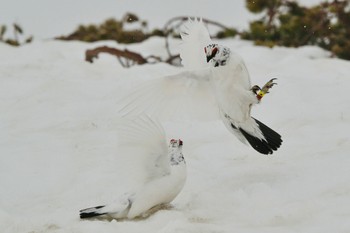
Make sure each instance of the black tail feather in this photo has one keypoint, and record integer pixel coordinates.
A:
(258, 144)
(90, 215)
(273, 139)
(91, 212)
(96, 207)
(272, 143)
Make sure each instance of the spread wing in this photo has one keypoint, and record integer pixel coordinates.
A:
(195, 37)
(143, 141)
(185, 95)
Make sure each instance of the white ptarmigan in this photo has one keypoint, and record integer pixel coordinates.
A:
(213, 74)
(165, 166)
(235, 97)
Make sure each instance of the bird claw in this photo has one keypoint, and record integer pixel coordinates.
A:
(255, 89)
(268, 85)
(265, 89)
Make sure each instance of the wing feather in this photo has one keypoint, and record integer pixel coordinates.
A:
(187, 94)
(182, 96)
(195, 37)
(143, 139)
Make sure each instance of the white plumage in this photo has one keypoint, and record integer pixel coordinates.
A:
(213, 76)
(195, 37)
(185, 94)
(164, 165)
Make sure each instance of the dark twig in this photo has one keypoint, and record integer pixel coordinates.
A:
(128, 58)
(91, 54)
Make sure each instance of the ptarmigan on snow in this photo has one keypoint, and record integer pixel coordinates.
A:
(235, 97)
(165, 166)
(213, 74)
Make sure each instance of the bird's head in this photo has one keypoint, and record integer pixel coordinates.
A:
(176, 143)
(216, 54)
(175, 150)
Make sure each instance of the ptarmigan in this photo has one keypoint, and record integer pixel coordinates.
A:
(235, 97)
(165, 166)
(214, 74)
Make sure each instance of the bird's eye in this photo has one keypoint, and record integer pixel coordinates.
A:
(180, 142)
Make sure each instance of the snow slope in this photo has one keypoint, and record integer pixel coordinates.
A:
(58, 150)
(48, 19)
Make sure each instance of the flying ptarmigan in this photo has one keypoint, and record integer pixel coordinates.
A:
(235, 97)
(165, 166)
(213, 74)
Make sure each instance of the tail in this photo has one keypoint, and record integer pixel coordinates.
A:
(272, 139)
(92, 212)
(117, 209)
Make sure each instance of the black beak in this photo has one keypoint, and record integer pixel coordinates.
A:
(209, 58)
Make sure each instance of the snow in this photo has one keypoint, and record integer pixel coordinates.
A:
(54, 18)
(59, 154)
(48, 19)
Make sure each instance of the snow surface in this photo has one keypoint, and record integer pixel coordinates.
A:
(59, 154)
(48, 19)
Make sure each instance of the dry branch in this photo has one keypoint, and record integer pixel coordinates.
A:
(91, 54)
(128, 58)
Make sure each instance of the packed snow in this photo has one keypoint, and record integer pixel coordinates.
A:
(48, 19)
(59, 150)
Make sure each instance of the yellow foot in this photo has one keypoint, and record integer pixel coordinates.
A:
(265, 89)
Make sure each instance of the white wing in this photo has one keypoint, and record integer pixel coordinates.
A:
(180, 96)
(143, 140)
(195, 37)
(183, 96)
